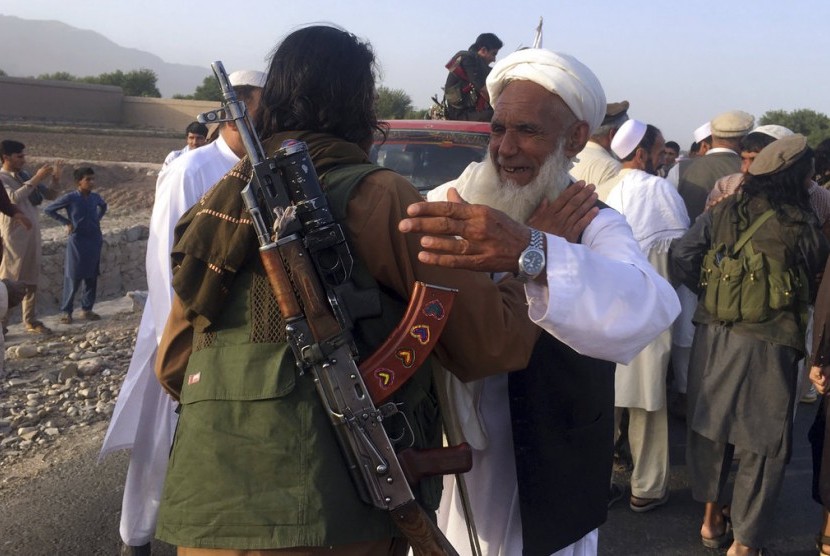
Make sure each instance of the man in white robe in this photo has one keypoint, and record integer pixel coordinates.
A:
(656, 213)
(144, 418)
(596, 292)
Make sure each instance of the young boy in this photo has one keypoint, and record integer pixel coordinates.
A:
(84, 210)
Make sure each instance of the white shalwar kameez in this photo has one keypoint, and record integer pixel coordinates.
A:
(144, 418)
(656, 213)
(603, 299)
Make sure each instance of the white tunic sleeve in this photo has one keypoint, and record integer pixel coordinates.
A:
(602, 297)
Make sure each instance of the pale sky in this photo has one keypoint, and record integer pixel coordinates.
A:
(678, 62)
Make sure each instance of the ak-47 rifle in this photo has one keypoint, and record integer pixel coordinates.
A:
(284, 196)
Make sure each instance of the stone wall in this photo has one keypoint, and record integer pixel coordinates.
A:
(63, 101)
(39, 100)
(122, 268)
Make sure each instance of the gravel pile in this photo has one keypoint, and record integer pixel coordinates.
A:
(58, 383)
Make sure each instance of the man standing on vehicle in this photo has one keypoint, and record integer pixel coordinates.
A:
(465, 91)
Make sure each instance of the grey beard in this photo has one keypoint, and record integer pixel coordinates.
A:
(518, 201)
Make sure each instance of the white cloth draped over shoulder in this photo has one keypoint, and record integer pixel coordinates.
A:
(144, 418)
(603, 299)
(656, 213)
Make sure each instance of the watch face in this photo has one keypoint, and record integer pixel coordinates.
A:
(532, 262)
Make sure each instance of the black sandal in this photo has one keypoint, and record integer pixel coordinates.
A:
(724, 539)
(822, 540)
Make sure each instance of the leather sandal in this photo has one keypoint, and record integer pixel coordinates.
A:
(822, 540)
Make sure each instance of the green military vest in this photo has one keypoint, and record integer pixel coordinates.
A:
(762, 289)
(255, 463)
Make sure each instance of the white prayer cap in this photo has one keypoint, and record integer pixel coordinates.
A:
(247, 77)
(703, 132)
(773, 130)
(628, 137)
(560, 74)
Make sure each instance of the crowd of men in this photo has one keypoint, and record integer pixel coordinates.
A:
(588, 257)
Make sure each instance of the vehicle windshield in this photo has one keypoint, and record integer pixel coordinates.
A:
(427, 157)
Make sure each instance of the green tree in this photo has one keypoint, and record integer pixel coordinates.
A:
(134, 83)
(393, 104)
(814, 125)
(208, 90)
(58, 76)
(3, 73)
(417, 114)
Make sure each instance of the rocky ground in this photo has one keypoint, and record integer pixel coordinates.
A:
(56, 386)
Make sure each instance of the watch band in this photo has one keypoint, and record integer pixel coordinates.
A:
(537, 239)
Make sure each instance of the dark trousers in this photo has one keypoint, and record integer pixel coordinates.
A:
(758, 482)
(70, 288)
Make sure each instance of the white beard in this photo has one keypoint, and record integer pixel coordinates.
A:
(519, 201)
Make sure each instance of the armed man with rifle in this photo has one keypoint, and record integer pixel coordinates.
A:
(272, 338)
(464, 91)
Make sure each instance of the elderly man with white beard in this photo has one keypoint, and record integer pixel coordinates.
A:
(543, 436)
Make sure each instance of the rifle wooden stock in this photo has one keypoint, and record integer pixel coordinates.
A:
(279, 281)
(423, 535)
(417, 464)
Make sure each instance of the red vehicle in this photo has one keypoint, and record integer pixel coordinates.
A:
(431, 152)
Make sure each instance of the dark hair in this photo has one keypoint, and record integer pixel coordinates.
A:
(488, 41)
(647, 142)
(9, 147)
(321, 79)
(755, 142)
(695, 147)
(822, 154)
(787, 187)
(197, 129)
(673, 145)
(81, 172)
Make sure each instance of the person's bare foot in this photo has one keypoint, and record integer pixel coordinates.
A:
(739, 549)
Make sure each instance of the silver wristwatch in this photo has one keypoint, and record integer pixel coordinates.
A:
(532, 259)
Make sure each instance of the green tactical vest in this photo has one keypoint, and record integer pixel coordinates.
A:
(752, 280)
(255, 463)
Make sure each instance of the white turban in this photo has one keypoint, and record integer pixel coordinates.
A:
(560, 74)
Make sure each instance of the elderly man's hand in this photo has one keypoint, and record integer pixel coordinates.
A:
(461, 235)
(569, 214)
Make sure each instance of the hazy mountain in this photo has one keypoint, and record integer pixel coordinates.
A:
(34, 47)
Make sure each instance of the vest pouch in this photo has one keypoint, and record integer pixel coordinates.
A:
(709, 278)
(782, 289)
(755, 289)
(729, 289)
(239, 373)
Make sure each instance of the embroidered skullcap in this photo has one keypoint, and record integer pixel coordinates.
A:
(252, 78)
(614, 111)
(732, 124)
(779, 155)
(773, 130)
(561, 74)
(628, 137)
(702, 132)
